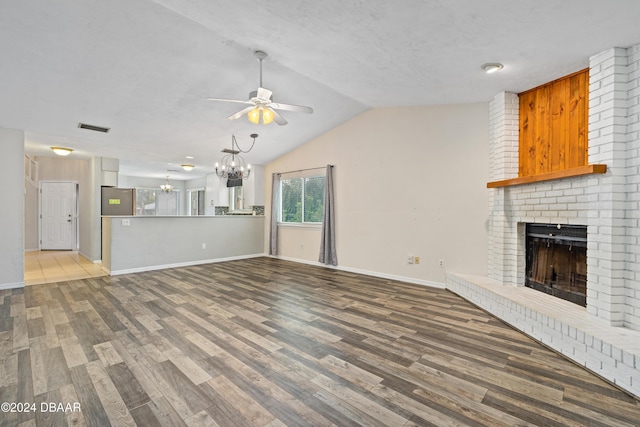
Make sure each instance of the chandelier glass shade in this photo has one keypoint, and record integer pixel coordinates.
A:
(232, 165)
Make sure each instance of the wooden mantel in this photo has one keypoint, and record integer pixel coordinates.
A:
(567, 173)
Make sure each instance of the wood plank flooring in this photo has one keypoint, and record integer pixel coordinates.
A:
(266, 342)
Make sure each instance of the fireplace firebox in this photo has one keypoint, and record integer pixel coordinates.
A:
(556, 261)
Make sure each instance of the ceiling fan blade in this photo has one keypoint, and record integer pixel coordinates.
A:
(241, 113)
(264, 94)
(278, 118)
(290, 107)
(230, 100)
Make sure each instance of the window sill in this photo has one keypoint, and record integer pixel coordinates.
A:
(568, 173)
(308, 225)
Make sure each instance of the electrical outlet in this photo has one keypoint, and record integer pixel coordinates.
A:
(410, 259)
(126, 222)
(416, 260)
(441, 263)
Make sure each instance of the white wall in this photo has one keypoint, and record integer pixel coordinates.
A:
(12, 209)
(89, 195)
(30, 217)
(409, 180)
(142, 243)
(60, 169)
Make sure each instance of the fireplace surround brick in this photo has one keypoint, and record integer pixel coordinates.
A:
(608, 204)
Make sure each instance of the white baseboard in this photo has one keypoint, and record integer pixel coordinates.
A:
(16, 285)
(412, 280)
(179, 264)
(95, 261)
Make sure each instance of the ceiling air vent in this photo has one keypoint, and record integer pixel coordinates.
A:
(94, 128)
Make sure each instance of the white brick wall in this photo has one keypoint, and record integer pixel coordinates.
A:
(605, 350)
(632, 188)
(608, 204)
(503, 164)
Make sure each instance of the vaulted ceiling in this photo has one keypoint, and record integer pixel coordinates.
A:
(144, 68)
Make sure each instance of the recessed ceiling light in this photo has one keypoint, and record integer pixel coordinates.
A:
(62, 151)
(189, 157)
(492, 67)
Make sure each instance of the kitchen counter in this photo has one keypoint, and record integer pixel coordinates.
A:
(142, 243)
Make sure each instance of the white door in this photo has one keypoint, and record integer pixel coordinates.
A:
(58, 215)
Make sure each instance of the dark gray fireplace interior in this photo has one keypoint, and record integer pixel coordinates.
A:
(556, 261)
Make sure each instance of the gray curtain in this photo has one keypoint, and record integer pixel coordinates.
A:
(275, 202)
(328, 241)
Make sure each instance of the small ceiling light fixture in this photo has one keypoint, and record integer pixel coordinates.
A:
(232, 165)
(166, 188)
(187, 167)
(62, 151)
(492, 67)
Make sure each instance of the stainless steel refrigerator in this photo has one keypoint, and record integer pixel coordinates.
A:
(118, 201)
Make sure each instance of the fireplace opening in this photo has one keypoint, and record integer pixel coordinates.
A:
(556, 261)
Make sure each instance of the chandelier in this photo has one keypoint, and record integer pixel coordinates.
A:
(166, 188)
(232, 165)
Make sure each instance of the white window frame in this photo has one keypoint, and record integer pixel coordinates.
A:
(156, 200)
(303, 223)
(190, 196)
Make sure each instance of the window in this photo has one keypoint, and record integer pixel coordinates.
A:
(302, 200)
(196, 201)
(236, 200)
(151, 201)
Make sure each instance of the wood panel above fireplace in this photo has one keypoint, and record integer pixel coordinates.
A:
(553, 131)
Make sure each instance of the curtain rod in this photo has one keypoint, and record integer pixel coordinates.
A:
(302, 170)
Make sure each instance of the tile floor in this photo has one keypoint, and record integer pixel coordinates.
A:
(58, 266)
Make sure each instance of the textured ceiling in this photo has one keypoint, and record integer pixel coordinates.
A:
(144, 68)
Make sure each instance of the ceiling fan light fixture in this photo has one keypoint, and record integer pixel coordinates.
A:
(261, 114)
(254, 116)
(62, 151)
(492, 67)
(268, 115)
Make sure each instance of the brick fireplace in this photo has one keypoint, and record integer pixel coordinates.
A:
(604, 336)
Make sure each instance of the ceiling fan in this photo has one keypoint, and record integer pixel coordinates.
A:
(261, 103)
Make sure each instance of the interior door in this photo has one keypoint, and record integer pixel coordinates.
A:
(58, 215)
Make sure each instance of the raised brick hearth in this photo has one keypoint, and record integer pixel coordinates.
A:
(604, 336)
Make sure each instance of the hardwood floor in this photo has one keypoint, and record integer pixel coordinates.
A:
(266, 342)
